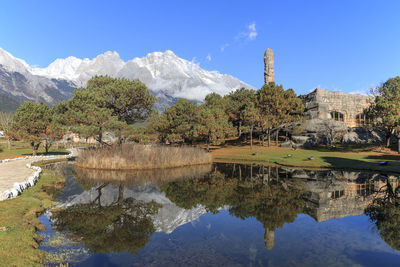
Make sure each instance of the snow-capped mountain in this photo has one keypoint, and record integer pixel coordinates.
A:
(167, 75)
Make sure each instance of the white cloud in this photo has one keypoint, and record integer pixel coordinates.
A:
(362, 92)
(208, 57)
(252, 33)
(224, 46)
(249, 35)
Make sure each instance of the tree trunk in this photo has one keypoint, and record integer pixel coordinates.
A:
(9, 144)
(46, 146)
(388, 135)
(100, 137)
(277, 137)
(240, 129)
(398, 144)
(35, 148)
(251, 137)
(269, 138)
(263, 139)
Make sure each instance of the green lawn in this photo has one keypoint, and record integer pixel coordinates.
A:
(21, 149)
(349, 157)
(19, 240)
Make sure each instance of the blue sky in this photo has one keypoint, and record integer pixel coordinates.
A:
(338, 45)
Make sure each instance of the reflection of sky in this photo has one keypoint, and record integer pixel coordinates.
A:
(223, 240)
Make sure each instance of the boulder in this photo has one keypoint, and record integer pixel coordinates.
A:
(360, 135)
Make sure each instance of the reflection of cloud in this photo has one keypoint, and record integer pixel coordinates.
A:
(249, 35)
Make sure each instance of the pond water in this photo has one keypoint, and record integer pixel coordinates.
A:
(224, 215)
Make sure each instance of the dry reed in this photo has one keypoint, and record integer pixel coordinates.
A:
(141, 157)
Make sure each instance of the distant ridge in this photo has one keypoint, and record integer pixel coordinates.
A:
(167, 75)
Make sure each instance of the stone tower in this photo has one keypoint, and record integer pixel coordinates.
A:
(269, 66)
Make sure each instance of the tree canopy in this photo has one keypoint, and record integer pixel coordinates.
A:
(36, 123)
(108, 104)
(384, 112)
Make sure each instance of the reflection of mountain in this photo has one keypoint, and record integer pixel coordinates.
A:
(168, 217)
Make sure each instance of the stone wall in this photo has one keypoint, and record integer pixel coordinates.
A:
(320, 103)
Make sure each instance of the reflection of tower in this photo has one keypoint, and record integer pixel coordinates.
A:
(269, 238)
(269, 66)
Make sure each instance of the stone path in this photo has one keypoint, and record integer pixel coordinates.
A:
(17, 175)
(14, 172)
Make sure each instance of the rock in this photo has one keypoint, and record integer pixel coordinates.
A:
(304, 141)
(287, 144)
(360, 135)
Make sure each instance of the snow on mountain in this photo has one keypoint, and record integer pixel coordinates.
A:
(18, 84)
(13, 64)
(167, 75)
(160, 71)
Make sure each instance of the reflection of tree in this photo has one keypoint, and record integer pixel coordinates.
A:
(384, 211)
(125, 225)
(210, 191)
(272, 203)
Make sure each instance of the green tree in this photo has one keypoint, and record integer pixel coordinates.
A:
(88, 117)
(109, 104)
(251, 117)
(212, 125)
(236, 106)
(215, 100)
(277, 108)
(177, 123)
(384, 112)
(32, 123)
(6, 120)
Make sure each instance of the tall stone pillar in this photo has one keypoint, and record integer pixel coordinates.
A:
(269, 66)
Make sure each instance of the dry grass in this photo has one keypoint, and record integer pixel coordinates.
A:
(141, 157)
(141, 177)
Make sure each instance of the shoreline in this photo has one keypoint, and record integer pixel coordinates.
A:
(19, 238)
(18, 187)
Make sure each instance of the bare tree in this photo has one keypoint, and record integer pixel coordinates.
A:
(6, 120)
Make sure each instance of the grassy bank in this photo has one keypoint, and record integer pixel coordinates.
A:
(346, 157)
(22, 149)
(19, 223)
(141, 157)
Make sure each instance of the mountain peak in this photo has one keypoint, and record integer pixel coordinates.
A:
(163, 72)
(12, 63)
